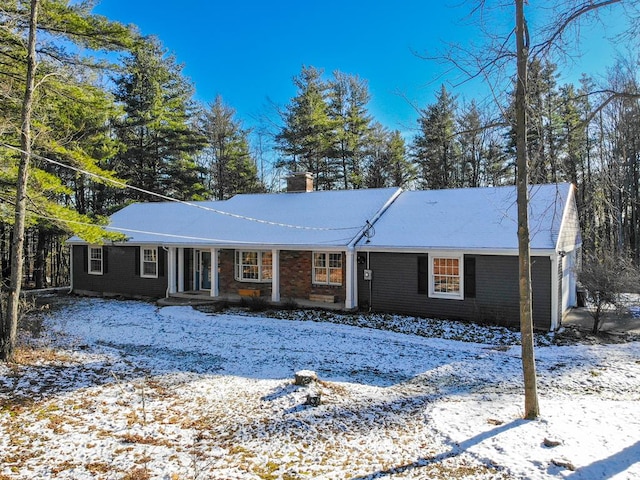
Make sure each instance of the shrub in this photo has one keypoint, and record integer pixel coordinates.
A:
(289, 304)
(605, 277)
(255, 304)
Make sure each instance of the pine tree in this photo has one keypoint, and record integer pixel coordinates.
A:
(226, 159)
(159, 139)
(387, 162)
(545, 124)
(306, 137)
(472, 147)
(348, 98)
(434, 148)
(24, 61)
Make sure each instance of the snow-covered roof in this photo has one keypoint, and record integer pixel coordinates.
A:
(454, 219)
(322, 218)
(469, 218)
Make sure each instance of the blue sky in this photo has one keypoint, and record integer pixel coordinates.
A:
(249, 51)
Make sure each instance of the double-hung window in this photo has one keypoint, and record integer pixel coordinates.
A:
(149, 262)
(446, 277)
(327, 268)
(254, 266)
(96, 264)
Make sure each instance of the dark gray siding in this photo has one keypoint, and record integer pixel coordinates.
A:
(395, 288)
(121, 274)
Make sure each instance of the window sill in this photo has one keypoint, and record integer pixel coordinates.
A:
(444, 296)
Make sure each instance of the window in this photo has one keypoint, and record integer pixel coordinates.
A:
(95, 261)
(254, 266)
(445, 279)
(327, 268)
(149, 266)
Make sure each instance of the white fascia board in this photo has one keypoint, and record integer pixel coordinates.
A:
(76, 242)
(470, 251)
(227, 246)
(258, 246)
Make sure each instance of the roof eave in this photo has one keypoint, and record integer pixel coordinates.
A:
(467, 250)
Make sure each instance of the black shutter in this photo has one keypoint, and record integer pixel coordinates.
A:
(85, 258)
(469, 277)
(136, 260)
(105, 258)
(423, 274)
(161, 261)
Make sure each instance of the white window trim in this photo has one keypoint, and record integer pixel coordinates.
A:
(238, 267)
(328, 268)
(142, 262)
(446, 295)
(90, 270)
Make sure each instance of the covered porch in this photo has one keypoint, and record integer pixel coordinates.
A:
(194, 277)
(203, 297)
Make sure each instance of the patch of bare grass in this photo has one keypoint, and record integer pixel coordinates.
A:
(145, 440)
(98, 467)
(29, 355)
(137, 474)
(63, 466)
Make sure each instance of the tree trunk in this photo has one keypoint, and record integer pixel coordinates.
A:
(40, 266)
(531, 409)
(10, 320)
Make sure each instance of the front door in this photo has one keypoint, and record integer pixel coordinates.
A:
(205, 270)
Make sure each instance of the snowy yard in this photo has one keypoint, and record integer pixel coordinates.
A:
(120, 389)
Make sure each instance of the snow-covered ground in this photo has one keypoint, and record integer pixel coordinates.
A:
(121, 389)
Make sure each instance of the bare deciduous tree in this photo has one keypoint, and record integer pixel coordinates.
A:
(606, 277)
(531, 407)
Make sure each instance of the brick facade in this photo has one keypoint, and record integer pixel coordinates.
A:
(295, 277)
(227, 282)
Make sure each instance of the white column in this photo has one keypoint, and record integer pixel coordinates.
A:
(180, 269)
(275, 275)
(215, 288)
(349, 301)
(171, 260)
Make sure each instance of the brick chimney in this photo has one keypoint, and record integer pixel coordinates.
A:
(298, 182)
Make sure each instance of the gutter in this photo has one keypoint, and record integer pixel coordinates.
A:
(539, 252)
